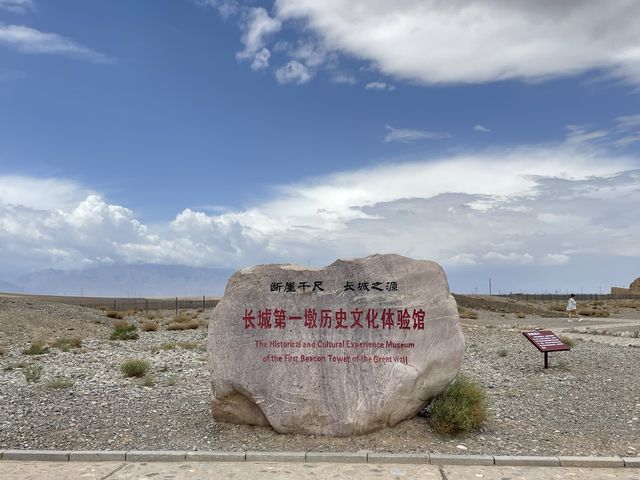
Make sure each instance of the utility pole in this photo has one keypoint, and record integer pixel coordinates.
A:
(489, 286)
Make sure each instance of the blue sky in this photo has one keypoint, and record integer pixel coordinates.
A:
(499, 139)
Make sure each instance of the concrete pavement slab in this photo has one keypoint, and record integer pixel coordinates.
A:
(11, 470)
(275, 471)
(455, 472)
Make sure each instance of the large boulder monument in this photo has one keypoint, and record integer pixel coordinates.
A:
(342, 350)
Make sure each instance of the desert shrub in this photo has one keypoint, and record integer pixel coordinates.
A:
(3, 351)
(60, 382)
(459, 409)
(503, 352)
(188, 325)
(168, 346)
(151, 316)
(150, 326)
(188, 345)
(148, 380)
(32, 372)
(124, 331)
(114, 314)
(568, 341)
(521, 315)
(134, 368)
(601, 313)
(36, 348)
(182, 317)
(469, 314)
(66, 344)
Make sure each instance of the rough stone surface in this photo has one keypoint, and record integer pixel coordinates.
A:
(377, 387)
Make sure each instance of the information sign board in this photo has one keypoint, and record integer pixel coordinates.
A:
(546, 341)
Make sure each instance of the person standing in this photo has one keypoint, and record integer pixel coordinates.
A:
(572, 308)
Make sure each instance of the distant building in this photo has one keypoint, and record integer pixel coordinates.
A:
(634, 289)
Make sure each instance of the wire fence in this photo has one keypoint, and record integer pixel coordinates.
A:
(551, 297)
(132, 304)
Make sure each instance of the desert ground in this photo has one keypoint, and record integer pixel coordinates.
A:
(76, 397)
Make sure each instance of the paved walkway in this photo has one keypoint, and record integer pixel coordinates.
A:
(12, 470)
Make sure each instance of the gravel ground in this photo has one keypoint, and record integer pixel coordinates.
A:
(586, 403)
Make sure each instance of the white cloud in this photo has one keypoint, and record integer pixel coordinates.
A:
(627, 140)
(293, 72)
(17, 6)
(463, 259)
(344, 78)
(226, 8)
(556, 259)
(480, 128)
(379, 86)
(512, 257)
(31, 41)
(310, 53)
(406, 135)
(474, 41)
(41, 193)
(628, 122)
(581, 134)
(536, 205)
(261, 59)
(257, 26)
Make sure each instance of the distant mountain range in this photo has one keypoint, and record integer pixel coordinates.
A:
(123, 281)
(8, 287)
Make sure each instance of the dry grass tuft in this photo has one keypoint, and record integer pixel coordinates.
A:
(148, 380)
(36, 348)
(114, 314)
(60, 382)
(182, 317)
(467, 313)
(67, 343)
(189, 325)
(150, 326)
(32, 373)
